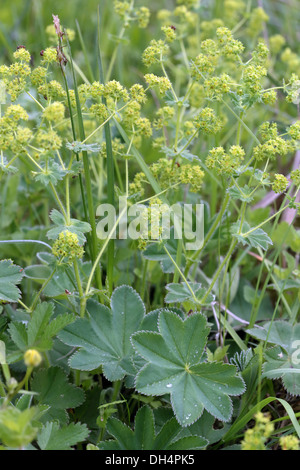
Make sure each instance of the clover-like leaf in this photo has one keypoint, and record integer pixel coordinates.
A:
(78, 147)
(282, 361)
(52, 174)
(180, 292)
(10, 276)
(104, 337)
(243, 194)
(258, 238)
(175, 365)
(75, 226)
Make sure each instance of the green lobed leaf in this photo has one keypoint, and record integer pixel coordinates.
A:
(53, 437)
(75, 226)
(174, 366)
(40, 329)
(179, 292)
(282, 361)
(257, 239)
(54, 389)
(10, 276)
(143, 437)
(104, 337)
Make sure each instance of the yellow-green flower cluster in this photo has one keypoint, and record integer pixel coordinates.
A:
(137, 185)
(268, 130)
(192, 175)
(269, 97)
(14, 77)
(252, 77)
(48, 140)
(52, 90)
(280, 183)
(185, 16)
(291, 59)
(216, 87)
(22, 55)
(231, 47)
(143, 17)
(96, 90)
(294, 130)
(289, 442)
(163, 117)
(67, 247)
(137, 93)
(115, 91)
(100, 111)
(133, 120)
(169, 33)
(203, 64)
(165, 172)
(121, 8)
(152, 214)
(271, 148)
(225, 163)
(49, 56)
(55, 112)
(276, 43)
(255, 438)
(260, 53)
(170, 174)
(295, 177)
(12, 135)
(154, 52)
(207, 121)
(258, 18)
(292, 88)
(16, 113)
(38, 76)
(162, 83)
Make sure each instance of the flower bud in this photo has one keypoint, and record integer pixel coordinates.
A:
(32, 358)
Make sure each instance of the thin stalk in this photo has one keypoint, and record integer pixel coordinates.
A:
(79, 285)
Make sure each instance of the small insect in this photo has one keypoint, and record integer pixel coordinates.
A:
(21, 47)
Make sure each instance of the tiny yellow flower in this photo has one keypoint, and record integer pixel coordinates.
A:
(32, 358)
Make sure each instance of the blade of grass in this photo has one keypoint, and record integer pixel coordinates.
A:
(110, 168)
(241, 423)
(87, 176)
